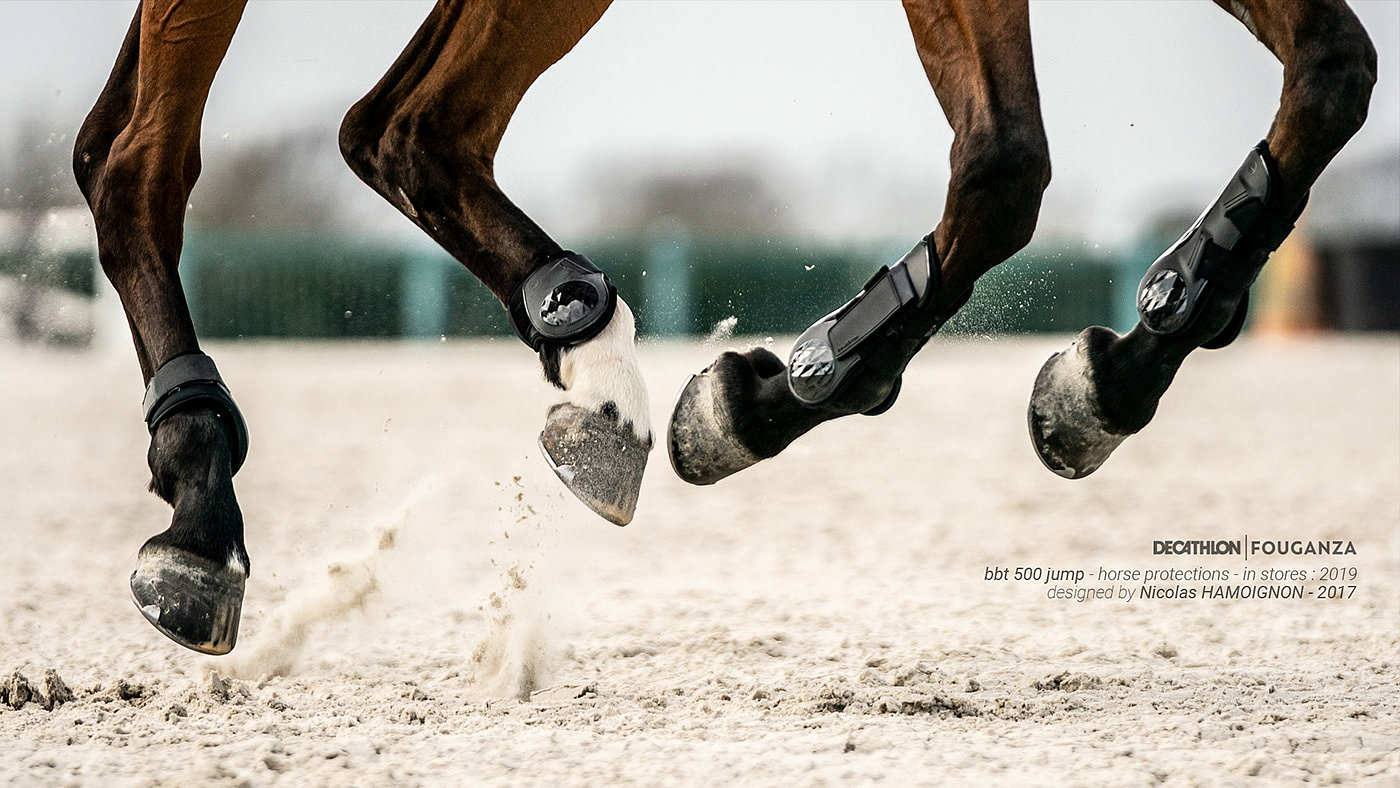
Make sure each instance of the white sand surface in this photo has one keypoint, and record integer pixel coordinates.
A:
(820, 619)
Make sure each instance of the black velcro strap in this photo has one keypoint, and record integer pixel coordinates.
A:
(1269, 230)
(1273, 224)
(191, 378)
(1230, 272)
(882, 297)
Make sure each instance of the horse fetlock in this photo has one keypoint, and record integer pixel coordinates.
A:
(747, 407)
(603, 375)
(597, 440)
(186, 382)
(1221, 320)
(191, 463)
(854, 357)
(189, 450)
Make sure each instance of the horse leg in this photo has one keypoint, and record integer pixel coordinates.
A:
(1105, 387)
(136, 159)
(746, 407)
(425, 138)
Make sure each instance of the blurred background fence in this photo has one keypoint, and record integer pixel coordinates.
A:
(304, 284)
(288, 283)
(272, 250)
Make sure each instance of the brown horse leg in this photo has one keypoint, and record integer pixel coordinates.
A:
(425, 138)
(977, 54)
(1088, 399)
(136, 159)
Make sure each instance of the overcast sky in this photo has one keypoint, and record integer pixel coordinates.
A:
(1145, 102)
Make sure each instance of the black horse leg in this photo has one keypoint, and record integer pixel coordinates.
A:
(136, 159)
(1091, 397)
(746, 407)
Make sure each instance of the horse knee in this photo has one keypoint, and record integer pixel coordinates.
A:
(379, 143)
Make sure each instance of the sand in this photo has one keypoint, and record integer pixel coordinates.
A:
(428, 605)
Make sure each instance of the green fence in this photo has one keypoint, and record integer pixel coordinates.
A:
(318, 285)
(73, 270)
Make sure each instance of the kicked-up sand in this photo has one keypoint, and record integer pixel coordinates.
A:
(428, 605)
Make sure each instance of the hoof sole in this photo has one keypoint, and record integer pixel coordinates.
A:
(1066, 429)
(699, 439)
(599, 460)
(191, 600)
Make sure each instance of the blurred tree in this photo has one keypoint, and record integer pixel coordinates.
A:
(36, 173)
(36, 265)
(731, 197)
(281, 182)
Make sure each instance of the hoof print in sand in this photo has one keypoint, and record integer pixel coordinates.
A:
(1069, 682)
(562, 694)
(848, 700)
(217, 689)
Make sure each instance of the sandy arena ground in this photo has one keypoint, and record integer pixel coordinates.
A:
(821, 619)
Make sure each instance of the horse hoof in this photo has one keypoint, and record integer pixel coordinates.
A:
(1066, 429)
(598, 459)
(701, 439)
(191, 600)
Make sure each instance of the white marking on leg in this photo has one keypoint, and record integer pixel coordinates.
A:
(408, 205)
(605, 369)
(237, 563)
